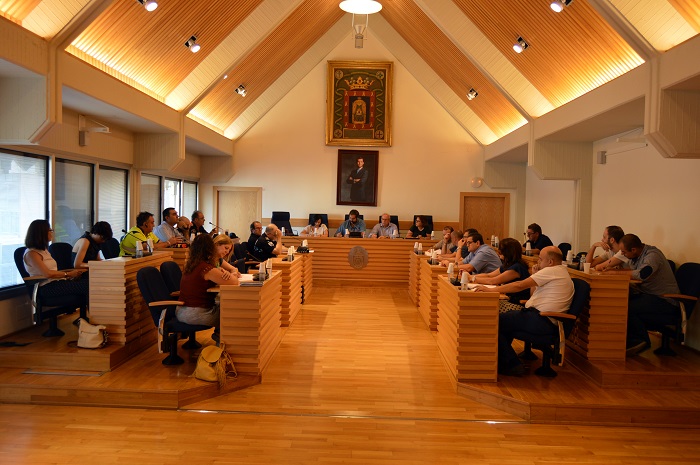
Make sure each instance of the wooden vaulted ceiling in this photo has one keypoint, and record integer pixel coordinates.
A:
(465, 43)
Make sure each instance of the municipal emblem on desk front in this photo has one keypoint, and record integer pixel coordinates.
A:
(358, 257)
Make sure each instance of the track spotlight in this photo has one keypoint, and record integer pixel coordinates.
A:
(520, 45)
(149, 5)
(192, 44)
(472, 94)
(240, 90)
(558, 5)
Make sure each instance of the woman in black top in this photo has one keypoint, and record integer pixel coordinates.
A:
(420, 229)
(513, 269)
(87, 248)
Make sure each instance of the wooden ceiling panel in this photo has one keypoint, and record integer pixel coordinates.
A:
(690, 10)
(570, 53)
(17, 10)
(150, 47)
(453, 67)
(264, 64)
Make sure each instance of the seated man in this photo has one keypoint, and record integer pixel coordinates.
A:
(611, 257)
(553, 293)
(445, 244)
(198, 224)
(256, 230)
(537, 240)
(384, 229)
(142, 232)
(269, 244)
(646, 307)
(167, 229)
(482, 258)
(459, 250)
(352, 224)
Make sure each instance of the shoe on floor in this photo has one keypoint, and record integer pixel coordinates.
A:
(636, 349)
(515, 370)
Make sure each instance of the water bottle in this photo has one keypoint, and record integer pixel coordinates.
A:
(528, 249)
(261, 272)
(451, 271)
(464, 280)
(150, 245)
(139, 249)
(582, 261)
(192, 236)
(495, 242)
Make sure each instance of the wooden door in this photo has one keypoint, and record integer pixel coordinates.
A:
(488, 213)
(237, 207)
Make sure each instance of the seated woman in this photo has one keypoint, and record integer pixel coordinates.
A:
(224, 252)
(201, 273)
(87, 248)
(420, 229)
(315, 229)
(39, 262)
(513, 269)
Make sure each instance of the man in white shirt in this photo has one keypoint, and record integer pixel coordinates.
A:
(553, 293)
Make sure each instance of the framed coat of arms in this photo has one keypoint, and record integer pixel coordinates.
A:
(359, 103)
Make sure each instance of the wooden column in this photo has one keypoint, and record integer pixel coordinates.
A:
(601, 332)
(307, 273)
(428, 296)
(468, 332)
(250, 323)
(180, 256)
(414, 277)
(291, 288)
(116, 301)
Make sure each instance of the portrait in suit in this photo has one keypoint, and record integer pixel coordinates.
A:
(357, 177)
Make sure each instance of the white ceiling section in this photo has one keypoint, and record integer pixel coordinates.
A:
(447, 45)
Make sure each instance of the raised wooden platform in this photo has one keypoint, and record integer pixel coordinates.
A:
(37, 374)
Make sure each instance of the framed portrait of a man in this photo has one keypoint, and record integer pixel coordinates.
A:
(359, 103)
(357, 177)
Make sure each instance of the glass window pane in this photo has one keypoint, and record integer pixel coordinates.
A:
(171, 194)
(189, 198)
(150, 197)
(24, 199)
(73, 207)
(112, 198)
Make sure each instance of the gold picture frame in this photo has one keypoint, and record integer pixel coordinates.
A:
(359, 103)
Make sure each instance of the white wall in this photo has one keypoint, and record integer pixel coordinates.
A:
(432, 158)
(653, 197)
(551, 204)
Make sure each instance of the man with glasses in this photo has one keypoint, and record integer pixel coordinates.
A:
(481, 258)
(198, 223)
(384, 229)
(353, 224)
(646, 307)
(537, 240)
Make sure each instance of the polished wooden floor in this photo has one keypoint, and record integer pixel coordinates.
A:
(357, 379)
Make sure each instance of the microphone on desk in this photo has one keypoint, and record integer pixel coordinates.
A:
(221, 229)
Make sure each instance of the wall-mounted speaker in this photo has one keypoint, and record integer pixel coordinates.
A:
(602, 157)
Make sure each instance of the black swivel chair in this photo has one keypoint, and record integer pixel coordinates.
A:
(564, 247)
(688, 279)
(172, 275)
(62, 252)
(156, 294)
(281, 220)
(110, 248)
(47, 307)
(552, 345)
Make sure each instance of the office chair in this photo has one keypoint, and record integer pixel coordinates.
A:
(242, 259)
(564, 247)
(688, 279)
(110, 248)
(172, 275)
(156, 294)
(47, 307)
(281, 220)
(62, 252)
(552, 345)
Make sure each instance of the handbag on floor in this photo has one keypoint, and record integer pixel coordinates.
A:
(214, 365)
(91, 336)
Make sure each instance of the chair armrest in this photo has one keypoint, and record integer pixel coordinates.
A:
(679, 296)
(175, 294)
(160, 303)
(559, 316)
(35, 278)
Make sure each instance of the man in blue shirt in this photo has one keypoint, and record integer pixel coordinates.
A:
(481, 258)
(352, 224)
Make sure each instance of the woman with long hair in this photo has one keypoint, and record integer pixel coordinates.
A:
(200, 274)
(513, 269)
(420, 229)
(317, 228)
(87, 248)
(224, 252)
(39, 262)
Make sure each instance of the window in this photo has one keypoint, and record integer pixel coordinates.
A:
(73, 200)
(171, 194)
(24, 199)
(150, 196)
(112, 198)
(189, 198)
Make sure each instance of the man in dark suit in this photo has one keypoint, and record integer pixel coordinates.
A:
(358, 178)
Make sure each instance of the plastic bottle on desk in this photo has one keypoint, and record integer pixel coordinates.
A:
(150, 245)
(139, 249)
(528, 249)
